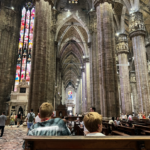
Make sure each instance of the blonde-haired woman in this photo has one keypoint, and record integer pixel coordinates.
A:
(12, 119)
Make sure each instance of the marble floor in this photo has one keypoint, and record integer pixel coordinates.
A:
(13, 138)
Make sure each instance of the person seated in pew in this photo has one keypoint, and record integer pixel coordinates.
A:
(126, 116)
(123, 117)
(85, 129)
(140, 115)
(148, 116)
(70, 126)
(144, 117)
(78, 120)
(130, 118)
(117, 122)
(92, 109)
(48, 126)
(93, 122)
(76, 115)
(112, 120)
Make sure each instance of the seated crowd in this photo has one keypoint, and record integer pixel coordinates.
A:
(44, 124)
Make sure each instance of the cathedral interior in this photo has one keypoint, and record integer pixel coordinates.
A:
(77, 53)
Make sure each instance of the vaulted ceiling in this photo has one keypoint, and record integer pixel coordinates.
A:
(72, 40)
(73, 34)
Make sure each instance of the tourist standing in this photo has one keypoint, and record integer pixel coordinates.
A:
(12, 119)
(30, 119)
(3, 119)
(37, 118)
(19, 117)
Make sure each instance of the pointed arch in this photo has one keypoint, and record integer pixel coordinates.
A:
(78, 20)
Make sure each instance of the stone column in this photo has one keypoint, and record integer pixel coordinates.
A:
(58, 81)
(83, 91)
(52, 58)
(91, 74)
(122, 51)
(80, 97)
(42, 69)
(93, 61)
(63, 94)
(87, 81)
(107, 62)
(134, 92)
(137, 34)
(9, 36)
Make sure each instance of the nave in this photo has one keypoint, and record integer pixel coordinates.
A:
(76, 55)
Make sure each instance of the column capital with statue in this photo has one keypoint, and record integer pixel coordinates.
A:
(122, 46)
(51, 2)
(136, 24)
(97, 2)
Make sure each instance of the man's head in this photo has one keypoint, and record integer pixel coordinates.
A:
(93, 122)
(117, 118)
(92, 109)
(46, 110)
(31, 110)
(3, 113)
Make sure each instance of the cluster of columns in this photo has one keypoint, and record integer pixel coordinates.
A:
(59, 78)
(108, 87)
(94, 62)
(42, 83)
(137, 33)
(122, 51)
(9, 35)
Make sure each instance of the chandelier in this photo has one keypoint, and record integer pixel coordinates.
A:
(73, 1)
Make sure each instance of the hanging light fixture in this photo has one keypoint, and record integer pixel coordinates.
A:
(73, 1)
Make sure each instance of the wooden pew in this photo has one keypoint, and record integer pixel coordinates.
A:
(80, 130)
(128, 130)
(74, 118)
(146, 132)
(140, 129)
(105, 131)
(108, 127)
(87, 143)
(118, 133)
(76, 127)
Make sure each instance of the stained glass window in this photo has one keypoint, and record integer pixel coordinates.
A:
(70, 95)
(73, 1)
(23, 68)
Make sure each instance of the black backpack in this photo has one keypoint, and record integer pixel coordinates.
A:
(31, 118)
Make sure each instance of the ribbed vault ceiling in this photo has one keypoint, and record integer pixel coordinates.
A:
(72, 38)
